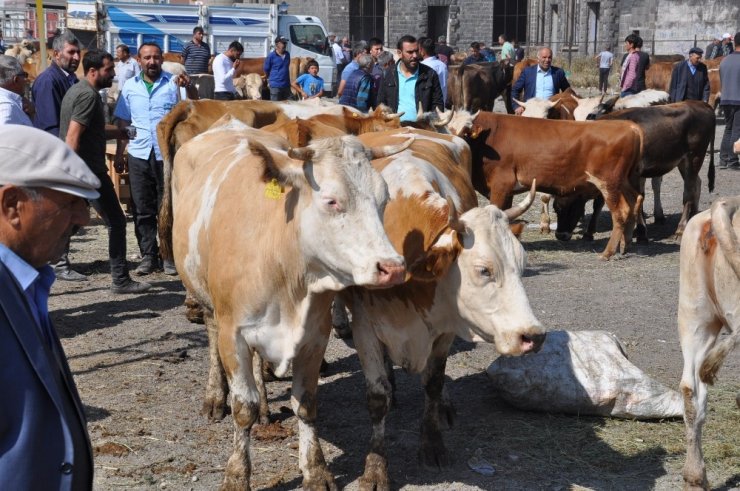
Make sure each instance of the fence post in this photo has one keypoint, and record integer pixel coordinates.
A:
(652, 49)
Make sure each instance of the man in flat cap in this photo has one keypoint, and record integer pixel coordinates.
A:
(690, 79)
(44, 188)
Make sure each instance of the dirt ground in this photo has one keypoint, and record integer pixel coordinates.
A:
(141, 368)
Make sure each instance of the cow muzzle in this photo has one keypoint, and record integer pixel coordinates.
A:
(390, 273)
(532, 343)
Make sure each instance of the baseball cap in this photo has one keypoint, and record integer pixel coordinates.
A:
(34, 158)
(726, 35)
(442, 39)
(281, 39)
(697, 51)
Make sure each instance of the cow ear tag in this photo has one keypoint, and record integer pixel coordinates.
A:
(273, 190)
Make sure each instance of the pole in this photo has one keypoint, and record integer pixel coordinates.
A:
(41, 28)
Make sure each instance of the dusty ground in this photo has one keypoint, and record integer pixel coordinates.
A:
(140, 368)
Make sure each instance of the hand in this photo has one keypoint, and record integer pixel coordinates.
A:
(120, 164)
(519, 110)
(237, 62)
(182, 80)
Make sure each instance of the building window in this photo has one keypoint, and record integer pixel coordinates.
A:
(366, 19)
(510, 18)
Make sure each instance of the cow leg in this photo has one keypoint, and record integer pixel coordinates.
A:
(245, 400)
(306, 365)
(259, 380)
(697, 336)
(641, 229)
(658, 214)
(691, 193)
(433, 453)
(545, 214)
(214, 403)
(598, 205)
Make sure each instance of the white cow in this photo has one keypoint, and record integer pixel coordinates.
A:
(708, 301)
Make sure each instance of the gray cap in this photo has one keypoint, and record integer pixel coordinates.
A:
(34, 158)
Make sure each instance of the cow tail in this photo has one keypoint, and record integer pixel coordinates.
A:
(710, 171)
(460, 85)
(165, 135)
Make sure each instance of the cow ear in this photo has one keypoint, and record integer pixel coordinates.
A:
(286, 171)
(437, 261)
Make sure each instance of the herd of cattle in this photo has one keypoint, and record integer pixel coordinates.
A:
(273, 211)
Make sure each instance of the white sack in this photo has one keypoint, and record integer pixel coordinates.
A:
(584, 372)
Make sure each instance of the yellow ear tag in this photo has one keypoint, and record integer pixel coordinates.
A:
(273, 190)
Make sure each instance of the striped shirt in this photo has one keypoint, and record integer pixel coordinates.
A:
(196, 57)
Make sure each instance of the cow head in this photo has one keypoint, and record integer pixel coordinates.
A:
(593, 108)
(341, 229)
(485, 282)
(570, 210)
(538, 108)
(249, 86)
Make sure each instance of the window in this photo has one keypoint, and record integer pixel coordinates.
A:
(366, 19)
(310, 37)
(510, 18)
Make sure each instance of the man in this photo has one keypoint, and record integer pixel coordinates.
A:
(690, 80)
(427, 51)
(729, 74)
(410, 83)
(43, 191)
(541, 80)
(359, 91)
(444, 52)
(726, 48)
(276, 68)
(713, 49)
(337, 54)
(143, 102)
(605, 59)
(507, 50)
(196, 54)
(360, 48)
(50, 86)
(2, 44)
(518, 50)
(126, 67)
(475, 54)
(82, 126)
(634, 64)
(12, 87)
(376, 49)
(223, 72)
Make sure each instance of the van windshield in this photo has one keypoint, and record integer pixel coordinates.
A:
(310, 37)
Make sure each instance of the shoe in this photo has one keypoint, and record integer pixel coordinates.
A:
(146, 266)
(733, 167)
(168, 267)
(69, 275)
(130, 286)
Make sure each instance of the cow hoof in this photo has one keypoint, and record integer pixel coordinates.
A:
(588, 237)
(213, 409)
(236, 476)
(320, 479)
(194, 315)
(375, 477)
(343, 331)
(433, 454)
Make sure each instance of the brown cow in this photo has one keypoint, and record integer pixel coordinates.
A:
(475, 87)
(567, 158)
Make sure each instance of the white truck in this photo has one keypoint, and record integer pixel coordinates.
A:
(171, 26)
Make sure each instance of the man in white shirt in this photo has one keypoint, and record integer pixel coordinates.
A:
(126, 67)
(427, 49)
(12, 85)
(338, 54)
(223, 72)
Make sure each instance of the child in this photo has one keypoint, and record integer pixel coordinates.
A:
(310, 85)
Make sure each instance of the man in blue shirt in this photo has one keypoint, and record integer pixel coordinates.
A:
(44, 188)
(276, 68)
(143, 102)
(541, 80)
(50, 86)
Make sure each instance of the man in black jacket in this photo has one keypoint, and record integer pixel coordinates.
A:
(410, 83)
(690, 80)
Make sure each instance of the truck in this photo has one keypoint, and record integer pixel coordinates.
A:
(255, 26)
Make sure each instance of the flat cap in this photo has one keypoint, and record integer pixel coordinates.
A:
(697, 51)
(34, 158)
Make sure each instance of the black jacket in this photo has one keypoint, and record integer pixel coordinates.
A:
(428, 90)
(680, 78)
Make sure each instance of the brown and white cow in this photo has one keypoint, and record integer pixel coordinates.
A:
(708, 301)
(465, 269)
(570, 158)
(262, 239)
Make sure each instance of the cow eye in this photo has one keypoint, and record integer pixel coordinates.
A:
(332, 204)
(484, 272)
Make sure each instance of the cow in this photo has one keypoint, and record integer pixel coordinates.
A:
(658, 75)
(22, 51)
(262, 238)
(475, 87)
(675, 135)
(173, 57)
(465, 270)
(665, 59)
(567, 158)
(256, 65)
(559, 106)
(708, 301)
(249, 86)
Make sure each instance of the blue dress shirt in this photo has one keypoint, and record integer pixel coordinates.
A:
(545, 88)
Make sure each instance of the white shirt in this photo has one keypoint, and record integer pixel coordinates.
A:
(438, 66)
(338, 53)
(11, 109)
(223, 71)
(126, 70)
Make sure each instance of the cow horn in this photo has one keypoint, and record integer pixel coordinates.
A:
(387, 150)
(444, 118)
(523, 104)
(518, 210)
(301, 153)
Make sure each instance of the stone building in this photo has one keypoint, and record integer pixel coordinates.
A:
(581, 27)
